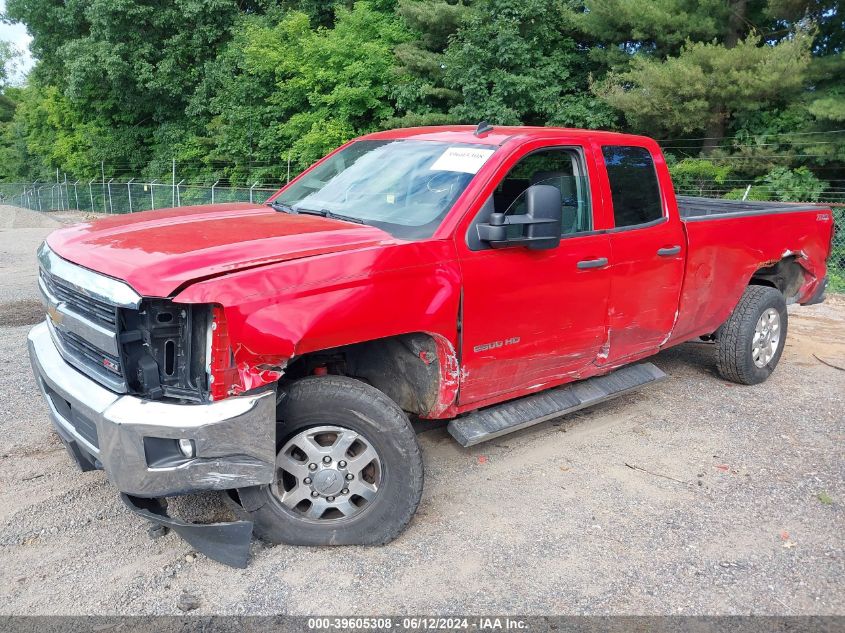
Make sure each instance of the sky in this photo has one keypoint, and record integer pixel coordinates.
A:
(17, 35)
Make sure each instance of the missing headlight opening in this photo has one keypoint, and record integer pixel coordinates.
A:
(164, 348)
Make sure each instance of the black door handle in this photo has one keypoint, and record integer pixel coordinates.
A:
(669, 251)
(592, 263)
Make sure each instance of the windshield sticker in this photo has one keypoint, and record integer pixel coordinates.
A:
(467, 160)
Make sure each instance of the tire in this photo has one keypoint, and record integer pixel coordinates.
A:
(737, 359)
(358, 410)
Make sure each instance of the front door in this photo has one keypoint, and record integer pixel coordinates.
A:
(533, 317)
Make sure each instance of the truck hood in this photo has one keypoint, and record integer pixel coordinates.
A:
(157, 252)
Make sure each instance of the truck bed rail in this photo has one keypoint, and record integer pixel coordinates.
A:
(693, 208)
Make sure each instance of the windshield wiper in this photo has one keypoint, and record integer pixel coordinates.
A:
(330, 214)
(284, 208)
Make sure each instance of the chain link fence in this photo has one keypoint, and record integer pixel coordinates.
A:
(836, 262)
(131, 196)
(125, 197)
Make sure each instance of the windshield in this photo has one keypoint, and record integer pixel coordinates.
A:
(403, 187)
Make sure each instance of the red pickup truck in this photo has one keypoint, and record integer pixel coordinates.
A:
(495, 277)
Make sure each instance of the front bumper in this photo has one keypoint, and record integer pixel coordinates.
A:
(134, 440)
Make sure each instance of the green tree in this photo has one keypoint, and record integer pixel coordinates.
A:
(421, 90)
(516, 62)
(124, 67)
(55, 133)
(341, 74)
(232, 89)
(786, 185)
(322, 12)
(16, 161)
(283, 89)
(9, 59)
(9, 56)
(707, 84)
(797, 184)
(656, 27)
(684, 66)
(697, 176)
(803, 129)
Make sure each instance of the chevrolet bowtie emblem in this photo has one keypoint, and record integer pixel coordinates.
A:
(54, 314)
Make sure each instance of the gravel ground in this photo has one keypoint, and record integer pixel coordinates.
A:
(694, 496)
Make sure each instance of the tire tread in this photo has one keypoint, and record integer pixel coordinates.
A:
(327, 389)
(417, 474)
(733, 360)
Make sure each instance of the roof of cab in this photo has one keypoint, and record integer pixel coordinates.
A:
(497, 134)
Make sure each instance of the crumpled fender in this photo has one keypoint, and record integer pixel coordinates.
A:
(277, 312)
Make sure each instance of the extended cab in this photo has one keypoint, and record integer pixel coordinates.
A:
(457, 273)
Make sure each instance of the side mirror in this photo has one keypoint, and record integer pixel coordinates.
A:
(540, 226)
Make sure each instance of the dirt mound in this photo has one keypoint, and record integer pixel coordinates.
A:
(19, 218)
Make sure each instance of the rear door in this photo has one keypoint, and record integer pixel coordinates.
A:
(532, 317)
(648, 251)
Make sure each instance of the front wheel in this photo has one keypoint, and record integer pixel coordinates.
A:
(750, 342)
(348, 470)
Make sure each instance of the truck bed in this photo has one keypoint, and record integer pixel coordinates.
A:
(728, 241)
(692, 208)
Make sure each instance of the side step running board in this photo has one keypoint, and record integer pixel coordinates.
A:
(508, 417)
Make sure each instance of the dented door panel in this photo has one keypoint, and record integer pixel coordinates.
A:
(531, 317)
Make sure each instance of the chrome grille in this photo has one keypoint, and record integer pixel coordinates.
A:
(82, 315)
(96, 357)
(98, 311)
(91, 361)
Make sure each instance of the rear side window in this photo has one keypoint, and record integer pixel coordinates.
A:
(633, 185)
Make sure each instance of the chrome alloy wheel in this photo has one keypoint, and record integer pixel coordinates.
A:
(766, 339)
(327, 473)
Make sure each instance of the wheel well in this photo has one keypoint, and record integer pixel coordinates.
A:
(786, 275)
(404, 367)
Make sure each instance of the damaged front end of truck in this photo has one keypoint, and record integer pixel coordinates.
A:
(149, 391)
(178, 394)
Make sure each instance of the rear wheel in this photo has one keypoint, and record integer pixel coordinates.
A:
(750, 342)
(348, 470)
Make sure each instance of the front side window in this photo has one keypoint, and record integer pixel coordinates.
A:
(405, 187)
(557, 167)
(633, 185)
